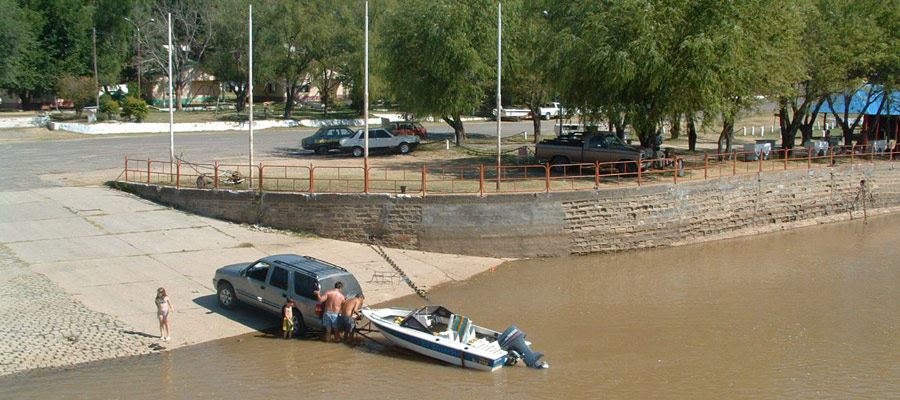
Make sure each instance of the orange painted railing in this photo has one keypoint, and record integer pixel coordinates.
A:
(491, 179)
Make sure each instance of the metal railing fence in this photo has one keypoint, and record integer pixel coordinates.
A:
(491, 179)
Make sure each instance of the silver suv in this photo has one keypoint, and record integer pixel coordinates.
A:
(268, 282)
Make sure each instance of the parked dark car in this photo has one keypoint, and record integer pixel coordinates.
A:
(268, 282)
(326, 139)
(409, 128)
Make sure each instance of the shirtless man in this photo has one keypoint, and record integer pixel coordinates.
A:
(333, 300)
(348, 325)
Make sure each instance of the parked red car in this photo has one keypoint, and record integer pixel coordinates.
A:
(408, 128)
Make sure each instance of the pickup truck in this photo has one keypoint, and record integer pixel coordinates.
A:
(600, 146)
(548, 111)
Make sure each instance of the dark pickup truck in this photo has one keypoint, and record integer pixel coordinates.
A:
(603, 147)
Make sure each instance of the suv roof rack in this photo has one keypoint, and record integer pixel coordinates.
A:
(310, 265)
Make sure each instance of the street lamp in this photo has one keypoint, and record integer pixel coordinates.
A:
(140, 63)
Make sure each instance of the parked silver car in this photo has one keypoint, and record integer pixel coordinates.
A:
(268, 282)
(379, 139)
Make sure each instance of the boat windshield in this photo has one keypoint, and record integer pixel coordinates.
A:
(427, 319)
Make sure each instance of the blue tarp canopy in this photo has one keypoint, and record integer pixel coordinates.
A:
(858, 103)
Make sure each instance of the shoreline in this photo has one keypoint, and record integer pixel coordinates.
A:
(128, 335)
(81, 265)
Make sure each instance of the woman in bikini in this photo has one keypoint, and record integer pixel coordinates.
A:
(163, 307)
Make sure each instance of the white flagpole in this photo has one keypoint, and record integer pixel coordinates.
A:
(250, 91)
(171, 100)
(499, 52)
(366, 97)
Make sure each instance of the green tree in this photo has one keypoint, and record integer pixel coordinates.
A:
(61, 45)
(526, 70)
(80, 90)
(291, 45)
(641, 62)
(228, 58)
(439, 56)
(335, 50)
(856, 46)
(113, 39)
(15, 41)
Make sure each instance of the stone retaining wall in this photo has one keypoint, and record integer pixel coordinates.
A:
(555, 224)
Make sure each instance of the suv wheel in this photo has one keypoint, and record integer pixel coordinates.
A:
(299, 325)
(322, 150)
(404, 148)
(357, 151)
(226, 296)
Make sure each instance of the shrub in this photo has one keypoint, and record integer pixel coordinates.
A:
(136, 108)
(80, 90)
(109, 107)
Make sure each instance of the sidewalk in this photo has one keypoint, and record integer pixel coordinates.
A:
(81, 266)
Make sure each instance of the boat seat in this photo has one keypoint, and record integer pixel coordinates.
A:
(462, 327)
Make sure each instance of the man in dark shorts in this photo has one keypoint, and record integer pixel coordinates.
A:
(349, 315)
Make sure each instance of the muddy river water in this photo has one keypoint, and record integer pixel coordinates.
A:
(808, 313)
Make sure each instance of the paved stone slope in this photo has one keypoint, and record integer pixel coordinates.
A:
(43, 327)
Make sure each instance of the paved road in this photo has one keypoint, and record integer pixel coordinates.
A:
(23, 162)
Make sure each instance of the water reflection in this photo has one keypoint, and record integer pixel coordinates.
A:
(806, 313)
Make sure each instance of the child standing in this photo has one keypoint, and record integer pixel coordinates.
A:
(163, 308)
(288, 312)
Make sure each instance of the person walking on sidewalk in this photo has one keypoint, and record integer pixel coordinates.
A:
(163, 308)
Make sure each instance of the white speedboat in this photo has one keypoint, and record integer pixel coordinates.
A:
(437, 332)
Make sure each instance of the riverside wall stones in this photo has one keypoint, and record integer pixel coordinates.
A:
(561, 223)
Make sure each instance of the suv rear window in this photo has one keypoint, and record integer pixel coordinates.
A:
(351, 286)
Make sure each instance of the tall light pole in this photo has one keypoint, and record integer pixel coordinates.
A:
(250, 89)
(499, 54)
(171, 100)
(366, 101)
(96, 77)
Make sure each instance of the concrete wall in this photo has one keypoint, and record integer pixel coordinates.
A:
(554, 224)
(29, 122)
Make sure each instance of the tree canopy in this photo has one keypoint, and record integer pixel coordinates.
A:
(631, 63)
(439, 56)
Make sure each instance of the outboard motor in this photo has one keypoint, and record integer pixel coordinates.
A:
(513, 341)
